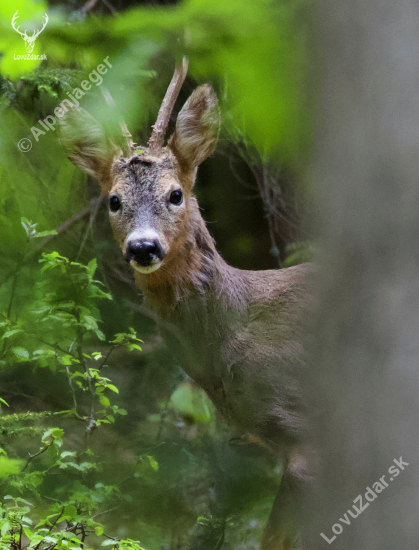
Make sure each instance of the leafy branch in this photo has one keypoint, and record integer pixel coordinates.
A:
(64, 308)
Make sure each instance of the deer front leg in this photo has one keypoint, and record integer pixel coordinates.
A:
(282, 529)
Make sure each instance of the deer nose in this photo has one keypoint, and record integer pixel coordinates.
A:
(144, 252)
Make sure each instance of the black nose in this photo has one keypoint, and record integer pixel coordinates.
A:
(144, 252)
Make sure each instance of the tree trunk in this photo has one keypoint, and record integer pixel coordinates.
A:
(364, 383)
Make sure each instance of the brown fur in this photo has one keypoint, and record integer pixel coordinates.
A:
(237, 332)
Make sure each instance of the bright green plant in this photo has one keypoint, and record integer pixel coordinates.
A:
(52, 331)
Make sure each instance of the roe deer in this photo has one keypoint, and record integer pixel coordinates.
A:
(239, 331)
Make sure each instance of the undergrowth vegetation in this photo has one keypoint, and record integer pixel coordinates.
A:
(52, 331)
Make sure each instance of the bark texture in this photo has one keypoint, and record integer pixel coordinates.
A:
(365, 378)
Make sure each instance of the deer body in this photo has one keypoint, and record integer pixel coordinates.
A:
(237, 335)
(235, 332)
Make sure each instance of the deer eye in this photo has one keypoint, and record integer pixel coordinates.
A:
(114, 203)
(176, 196)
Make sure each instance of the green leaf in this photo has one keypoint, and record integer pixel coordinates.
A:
(192, 401)
(45, 234)
(28, 532)
(21, 352)
(9, 466)
(134, 346)
(28, 226)
(153, 462)
(5, 528)
(91, 267)
(65, 454)
(55, 433)
(10, 333)
(104, 400)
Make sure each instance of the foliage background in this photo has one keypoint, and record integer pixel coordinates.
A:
(168, 458)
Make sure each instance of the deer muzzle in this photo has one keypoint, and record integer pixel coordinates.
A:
(144, 255)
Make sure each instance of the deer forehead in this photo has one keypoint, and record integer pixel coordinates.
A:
(145, 174)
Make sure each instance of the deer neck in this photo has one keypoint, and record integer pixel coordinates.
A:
(192, 268)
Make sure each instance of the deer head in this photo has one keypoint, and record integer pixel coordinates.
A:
(29, 40)
(151, 206)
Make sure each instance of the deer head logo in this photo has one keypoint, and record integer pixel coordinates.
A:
(29, 40)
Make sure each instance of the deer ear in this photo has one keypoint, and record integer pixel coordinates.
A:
(197, 128)
(88, 147)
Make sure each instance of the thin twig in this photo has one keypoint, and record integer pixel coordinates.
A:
(34, 456)
(50, 498)
(70, 381)
(244, 183)
(109, 6)
(56, 521)
(108, 354)
(88, 6)
(116, 539)
(106, 511)
(12, 293)
(13, 290)
(93, 214)
(92, 424)
(94, 203)
(60, 229)
(53, 346)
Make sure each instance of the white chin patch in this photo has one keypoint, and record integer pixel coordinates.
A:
(146, 269)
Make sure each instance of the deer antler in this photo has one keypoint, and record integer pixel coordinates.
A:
(159, 129)
(13, 25)
(37, 33)
(125, 132)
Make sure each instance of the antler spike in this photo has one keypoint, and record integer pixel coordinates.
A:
(125, 132)
(160, 127)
